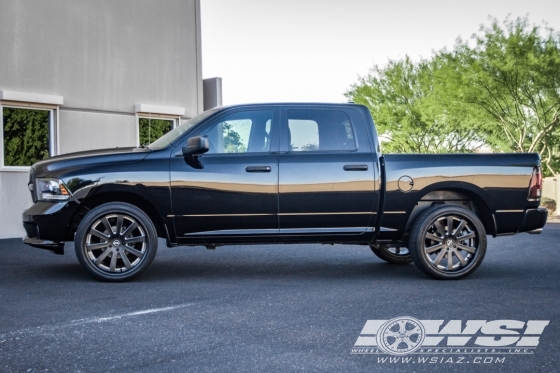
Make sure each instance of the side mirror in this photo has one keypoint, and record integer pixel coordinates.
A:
(195, 146)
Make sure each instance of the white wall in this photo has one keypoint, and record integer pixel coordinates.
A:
(85, 131)
(103, 54)
(14, 199)
(103, 57)
(551, 189)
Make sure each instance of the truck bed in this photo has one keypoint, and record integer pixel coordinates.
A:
(495, 185)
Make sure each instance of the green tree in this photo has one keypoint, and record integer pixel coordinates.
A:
(310, 147)
(232, 140)
(26, 136)
(409, 110)
(152, 129)
(501, 89)
(513, 74)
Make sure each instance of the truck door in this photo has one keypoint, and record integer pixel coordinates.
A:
(234, 190)
(326, 173)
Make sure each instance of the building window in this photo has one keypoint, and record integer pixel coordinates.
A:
(151, 129)
(26, 136)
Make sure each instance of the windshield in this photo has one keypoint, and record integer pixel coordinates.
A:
(172, 135)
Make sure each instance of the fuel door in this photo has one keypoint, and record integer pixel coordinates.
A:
(405, 183)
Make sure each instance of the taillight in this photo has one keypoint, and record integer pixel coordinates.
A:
(535, 188)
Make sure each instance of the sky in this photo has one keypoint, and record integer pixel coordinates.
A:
(312, 50)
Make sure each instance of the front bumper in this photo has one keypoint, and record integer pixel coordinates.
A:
(534, 220)
(47, 224)
(55, 247)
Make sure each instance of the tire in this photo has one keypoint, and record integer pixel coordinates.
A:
(393, 255)
(116, 242)
(447, 242)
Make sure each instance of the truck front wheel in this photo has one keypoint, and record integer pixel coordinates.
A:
(447, 242)
(116, 241)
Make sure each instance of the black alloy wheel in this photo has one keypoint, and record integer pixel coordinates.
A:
(447, 242)
(116, 242)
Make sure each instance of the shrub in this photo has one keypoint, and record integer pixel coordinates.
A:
(550, 204)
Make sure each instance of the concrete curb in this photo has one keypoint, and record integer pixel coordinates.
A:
(553, 219)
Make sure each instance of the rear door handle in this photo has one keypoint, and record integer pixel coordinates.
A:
(258, 169)
(355, 167)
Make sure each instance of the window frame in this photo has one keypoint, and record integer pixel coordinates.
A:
(54, 140)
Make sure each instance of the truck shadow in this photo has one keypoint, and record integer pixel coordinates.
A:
(210, 270)
(318, 264)
(277, 271)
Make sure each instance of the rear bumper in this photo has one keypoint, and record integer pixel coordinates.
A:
(55, 247)
(534, 220)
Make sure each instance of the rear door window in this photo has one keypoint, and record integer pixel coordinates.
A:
(319, 130)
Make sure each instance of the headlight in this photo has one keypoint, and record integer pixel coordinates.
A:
(51, 190)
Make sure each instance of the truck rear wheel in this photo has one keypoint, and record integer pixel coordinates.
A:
(447, 242)
(390, 254)
(116, 242)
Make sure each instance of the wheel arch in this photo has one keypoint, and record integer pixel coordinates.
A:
(132, 198)
(464, 195)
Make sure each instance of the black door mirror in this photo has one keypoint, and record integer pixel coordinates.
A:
(196, 145)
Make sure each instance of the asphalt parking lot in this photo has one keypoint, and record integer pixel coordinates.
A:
(264, 309)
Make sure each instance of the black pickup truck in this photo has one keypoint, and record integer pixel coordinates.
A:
(280, 173)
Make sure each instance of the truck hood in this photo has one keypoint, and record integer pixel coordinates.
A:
(91, 157)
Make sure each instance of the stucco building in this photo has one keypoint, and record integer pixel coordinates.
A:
(81, 74)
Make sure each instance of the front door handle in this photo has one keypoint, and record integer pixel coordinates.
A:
(258, 169)
(355, 167)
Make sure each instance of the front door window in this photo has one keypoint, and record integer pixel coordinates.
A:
(242, 132)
